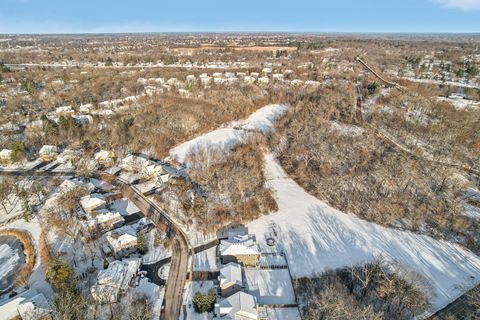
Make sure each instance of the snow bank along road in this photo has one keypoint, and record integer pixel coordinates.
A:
(317, 237)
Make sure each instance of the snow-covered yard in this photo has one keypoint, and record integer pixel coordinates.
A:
(317, 237)
(206, 260)
(190, 289)
(283, 314)
(270, 287)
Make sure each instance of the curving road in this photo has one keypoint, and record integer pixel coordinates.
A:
(181, 248)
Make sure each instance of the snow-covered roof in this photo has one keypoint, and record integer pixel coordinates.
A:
(10, 309)
(48, 150)
(5, 154)
(239, 245)
(116, 277)
(240, 305)
(92, 202)
(121, 238)
(108, 216)
(231, 273)
(35, 308)
(104, 155)
(125, 207)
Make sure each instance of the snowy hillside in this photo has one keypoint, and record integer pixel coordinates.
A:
(225, 138)
(317, 237)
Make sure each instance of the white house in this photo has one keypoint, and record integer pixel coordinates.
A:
(5, 156)
(105, 158)
(114, 280)
(230, 279)
(68, 156)
(263, 80)
(93, 202)
(241, 249)
(35, 308)
(240, 305)
(65, 110)
(122, 241)
(106, 220)
(28, 305)
(48, 153)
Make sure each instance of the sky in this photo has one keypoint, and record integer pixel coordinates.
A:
(120, 16)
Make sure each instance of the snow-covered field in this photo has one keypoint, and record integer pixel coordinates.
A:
(234, 133)
(271, 287)
(317, 237)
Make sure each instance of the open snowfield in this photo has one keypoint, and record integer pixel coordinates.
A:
(234, 133)
(317, 237)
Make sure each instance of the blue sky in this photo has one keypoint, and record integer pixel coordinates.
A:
(93, 16)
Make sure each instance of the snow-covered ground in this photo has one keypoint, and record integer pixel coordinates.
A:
(37, 278)
(155, 253)
(153, 292)
(271, 287)
(317, 237)
(206, 260)
(283, 314)
(190, 289)
(462, 104)
(233, 133)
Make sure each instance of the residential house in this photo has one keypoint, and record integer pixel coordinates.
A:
(230, 279)
(105, 158)
(106, 220)
(122, 241)
(115, 280)
(48, 153)
(240, 249)
(65, 111)
(5, 156)
(27, 305)
(92, 202)
(240, 305)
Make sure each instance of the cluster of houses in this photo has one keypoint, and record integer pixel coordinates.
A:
(434, 68)
(252, 278)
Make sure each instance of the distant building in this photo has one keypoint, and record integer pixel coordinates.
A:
(5, 156)
(48, 153)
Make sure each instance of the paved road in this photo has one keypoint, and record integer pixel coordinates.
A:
(181, 249)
